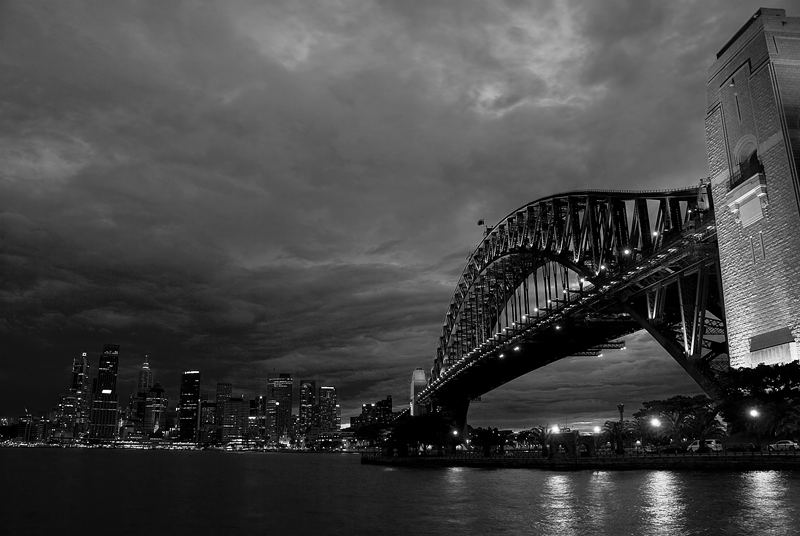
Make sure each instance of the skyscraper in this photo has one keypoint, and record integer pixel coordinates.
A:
(308, 400)
(105, 403)
(279, 403)
(328, 409)
(223, 394)
(80, 388)
(189, 406)
(145, 378)
(155, 413)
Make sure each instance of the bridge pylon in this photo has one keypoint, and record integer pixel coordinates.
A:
(753, 138)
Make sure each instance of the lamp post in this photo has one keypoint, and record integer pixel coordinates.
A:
(754, 414)
(656, 423)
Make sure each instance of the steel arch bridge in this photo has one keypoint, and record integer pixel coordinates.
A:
(569, 275)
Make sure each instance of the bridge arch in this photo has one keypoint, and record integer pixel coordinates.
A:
(598, 260)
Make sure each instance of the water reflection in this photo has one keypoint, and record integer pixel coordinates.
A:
(663, 504)
(601, 491)
(559, 505)
(766, 502)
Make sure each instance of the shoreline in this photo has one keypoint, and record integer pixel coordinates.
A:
(694, 462)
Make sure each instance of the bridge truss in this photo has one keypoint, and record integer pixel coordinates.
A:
(570, 274)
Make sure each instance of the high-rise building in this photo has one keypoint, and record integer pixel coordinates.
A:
(223, 394)
(235, 419)
(145, 378)
(378, 413)
(418, 383)
(138, 401)
(71, 420)
(104, 415)
(308, 400)
(155, 413)
(258, 418)
(189, 406)
(80, 389)
(279, 393)
(329, 417)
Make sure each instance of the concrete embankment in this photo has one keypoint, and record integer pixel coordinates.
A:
(701, 462)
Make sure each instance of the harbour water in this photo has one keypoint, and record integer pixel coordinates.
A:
(94, 491)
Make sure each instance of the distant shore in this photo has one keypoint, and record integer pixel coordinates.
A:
(697, 462)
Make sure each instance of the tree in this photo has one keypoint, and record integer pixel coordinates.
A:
(703, 424)
(543, 435)
(614, 432)
(485, 439)
(773, 390)
(372, 434)
(642, 429)
(673, 412)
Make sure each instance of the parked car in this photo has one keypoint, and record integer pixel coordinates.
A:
(741, 447)
(784, 444)
(672, 449)
(712, 444)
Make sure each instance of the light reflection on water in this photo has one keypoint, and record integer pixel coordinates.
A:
(663, 505)
(767, 503)
(559, 503)
(215, 493)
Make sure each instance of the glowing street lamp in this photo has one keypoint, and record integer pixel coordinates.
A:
(655, 422)
(754, 413)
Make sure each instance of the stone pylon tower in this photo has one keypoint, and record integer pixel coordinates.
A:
(753, 136)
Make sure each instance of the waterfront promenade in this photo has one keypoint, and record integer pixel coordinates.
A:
(744, 461)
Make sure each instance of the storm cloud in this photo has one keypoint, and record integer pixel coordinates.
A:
(242, 187)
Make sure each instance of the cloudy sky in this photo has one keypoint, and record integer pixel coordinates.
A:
(294, 186)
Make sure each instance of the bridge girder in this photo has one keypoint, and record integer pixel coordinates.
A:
(596, 260)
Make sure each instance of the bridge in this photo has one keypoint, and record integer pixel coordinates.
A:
(710, 271)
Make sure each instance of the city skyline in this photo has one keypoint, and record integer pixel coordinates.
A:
(246, 189)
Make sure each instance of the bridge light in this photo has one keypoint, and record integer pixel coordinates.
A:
(535, 309)
(516, 348)
(558, 327)
(549, 301)
(627, 252)
(602, 266)
(501, 356)
(655, 233)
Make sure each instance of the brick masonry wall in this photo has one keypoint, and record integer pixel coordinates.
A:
(761, 284)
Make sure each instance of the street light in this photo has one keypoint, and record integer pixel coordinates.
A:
(754, 413)
(655, 422)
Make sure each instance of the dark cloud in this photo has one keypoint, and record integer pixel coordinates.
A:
(294, 186)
